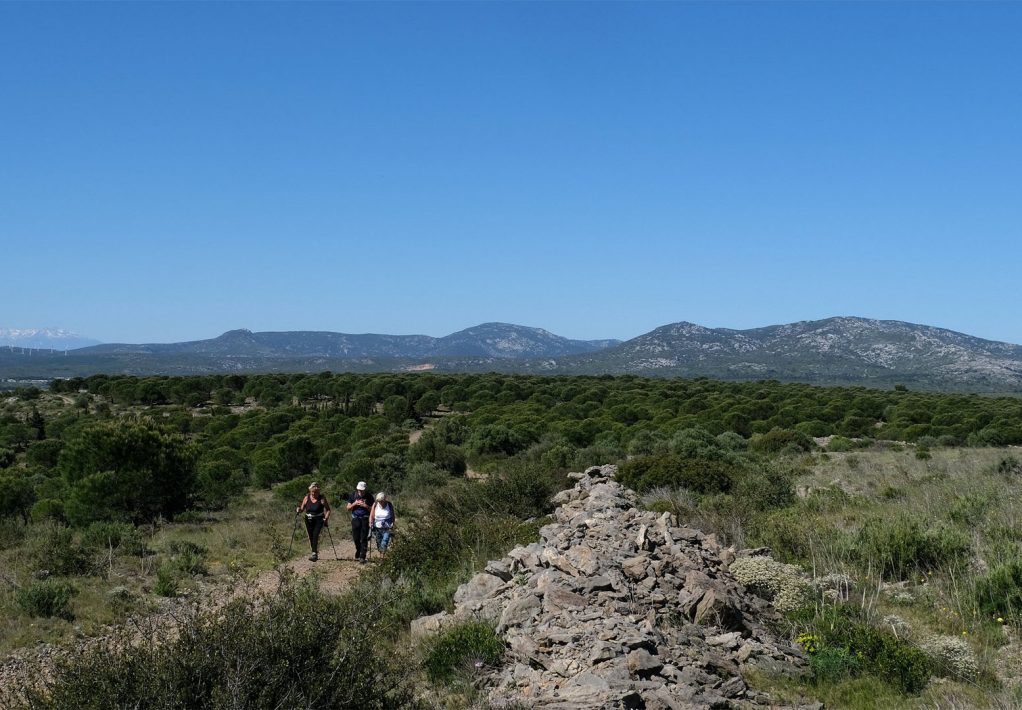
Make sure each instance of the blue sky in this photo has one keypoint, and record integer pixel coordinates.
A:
(172, 171)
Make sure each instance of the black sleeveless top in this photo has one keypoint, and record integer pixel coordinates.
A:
(314, 507)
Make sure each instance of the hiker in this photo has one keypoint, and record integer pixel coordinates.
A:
(359, 503)
(381, 520)
(317, 513)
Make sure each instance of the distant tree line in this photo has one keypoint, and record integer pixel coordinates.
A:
(135, 448)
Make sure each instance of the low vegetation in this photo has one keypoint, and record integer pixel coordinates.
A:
(888, 514)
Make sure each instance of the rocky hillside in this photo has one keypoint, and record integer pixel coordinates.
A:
(835, 351)
(497, 340)
(620, 608)
(831, 351)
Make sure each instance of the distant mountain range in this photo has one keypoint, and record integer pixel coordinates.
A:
(497, 340)
(842, 350)
(54, 338)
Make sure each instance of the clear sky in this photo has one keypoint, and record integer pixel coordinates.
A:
(171, 171)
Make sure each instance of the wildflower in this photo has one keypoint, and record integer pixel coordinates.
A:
(1000, 619)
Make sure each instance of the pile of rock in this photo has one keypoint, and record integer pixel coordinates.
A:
(620, 607)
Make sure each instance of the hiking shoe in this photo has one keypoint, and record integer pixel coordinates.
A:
(362, 561)
(313, 557)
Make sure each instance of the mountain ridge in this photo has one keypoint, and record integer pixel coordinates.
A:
(484, 340)
(44, 338)
(842, 350)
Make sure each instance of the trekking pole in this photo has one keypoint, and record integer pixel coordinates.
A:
(326, 524)
(293, 529)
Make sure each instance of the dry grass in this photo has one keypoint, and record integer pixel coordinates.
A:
(958, 490)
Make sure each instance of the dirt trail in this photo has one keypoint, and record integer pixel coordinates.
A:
(335, 574)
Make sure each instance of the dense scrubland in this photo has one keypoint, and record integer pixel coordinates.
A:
(890, 514)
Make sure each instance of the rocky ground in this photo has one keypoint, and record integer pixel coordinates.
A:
(617, 607)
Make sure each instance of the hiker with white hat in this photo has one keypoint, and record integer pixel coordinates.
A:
(359, 503)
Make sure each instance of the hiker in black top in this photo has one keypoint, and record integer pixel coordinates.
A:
(317, 512)
(359, 504)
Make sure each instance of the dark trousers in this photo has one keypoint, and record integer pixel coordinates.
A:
(360, 534)
(314, 526)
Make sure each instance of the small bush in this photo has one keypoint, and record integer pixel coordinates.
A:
(953, 655)
(674, 471)
(830, 665)
(47, 598)
(166, 583)
(969, 509)
(187, 557)
(783, 585)
(56, 549)
(120, 536)
(778, 440)
(48, 509)
(292, 491)
(281, 652)
(848, 645)
(999, 592)
(465, 647)
(904, 546)
(1009, 466)
(841, 443)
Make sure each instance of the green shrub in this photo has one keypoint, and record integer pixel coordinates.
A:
(119, 536)
(296, 648)
(292, 491)
(790, 532)
(44, 454)
(904, 545)
(778, 440)
(765, 486)
(841, 443)
(55, 548)
(673, 471)
(47, 598)
(217, 482)
(422, 478)
(999, 592)
(850, 646)
(127, 470)
(7, 457)
(166, 582)
(830, 665)
(970, 508)
(471, 646)
(187, 557)
(48, 509)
